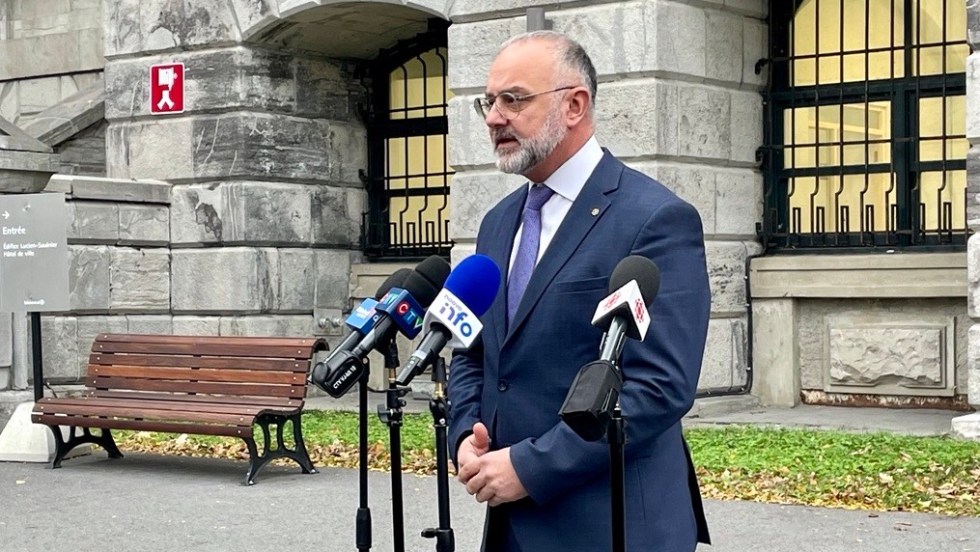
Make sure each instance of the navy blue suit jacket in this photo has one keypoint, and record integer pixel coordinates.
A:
(515, 379)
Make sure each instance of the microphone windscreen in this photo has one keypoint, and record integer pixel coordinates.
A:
(427, 279)
(475, 281)
(396, 280)
(641, 269)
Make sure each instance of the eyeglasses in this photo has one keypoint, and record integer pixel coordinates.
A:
(508, 105)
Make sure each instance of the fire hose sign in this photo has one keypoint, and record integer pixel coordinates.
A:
(167, 88)
(33, 253)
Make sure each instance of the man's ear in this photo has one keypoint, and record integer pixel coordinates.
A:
(578, 106)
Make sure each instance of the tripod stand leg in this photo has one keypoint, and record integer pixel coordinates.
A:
(439, 407)
(363, 518)
(391, 414)
(617, 443)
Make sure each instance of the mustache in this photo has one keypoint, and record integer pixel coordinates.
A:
(503, 134)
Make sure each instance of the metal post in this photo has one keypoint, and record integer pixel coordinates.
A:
(363, 519)
(617, 477)
(536, 20)
(36, 354)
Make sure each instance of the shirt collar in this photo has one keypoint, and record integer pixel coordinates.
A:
(571, 177)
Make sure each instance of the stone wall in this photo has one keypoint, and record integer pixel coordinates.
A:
(84, 154)
(678, 99)
(973, 196)
(128, 275)
(264, 165)
(49, 50)
(970, 426)
(119, 268)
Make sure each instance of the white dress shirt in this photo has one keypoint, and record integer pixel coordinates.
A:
(567, 182)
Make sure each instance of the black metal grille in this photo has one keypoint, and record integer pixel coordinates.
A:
(408, 171)
(865, 124)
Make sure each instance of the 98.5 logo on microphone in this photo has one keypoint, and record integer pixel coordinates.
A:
(452, 313)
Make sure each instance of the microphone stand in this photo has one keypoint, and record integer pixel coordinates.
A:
(391, 414)
(363, 534)
(616, 434)
(439, 407)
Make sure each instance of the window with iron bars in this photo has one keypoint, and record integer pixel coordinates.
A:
(408, 173)
(866, 124)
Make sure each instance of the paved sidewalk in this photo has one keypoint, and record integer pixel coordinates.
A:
(901, 421)
(157, 503)
(740, 410)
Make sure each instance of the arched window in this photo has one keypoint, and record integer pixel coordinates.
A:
(408, 171)
(866, 124)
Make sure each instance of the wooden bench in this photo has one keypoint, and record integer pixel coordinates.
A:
(195, 385)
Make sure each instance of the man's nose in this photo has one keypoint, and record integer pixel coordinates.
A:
(494, 118)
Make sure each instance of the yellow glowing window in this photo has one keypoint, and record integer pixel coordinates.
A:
(410, 174)
(868, 113)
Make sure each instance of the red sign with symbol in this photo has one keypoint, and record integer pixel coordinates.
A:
(167, 88)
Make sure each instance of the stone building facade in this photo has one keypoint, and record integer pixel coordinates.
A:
(243, 214)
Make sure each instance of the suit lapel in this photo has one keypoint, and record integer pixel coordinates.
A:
(587, 209)
(499, 250)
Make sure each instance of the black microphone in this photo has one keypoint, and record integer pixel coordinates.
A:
(360, 321)
(400, 309)
(596, 388)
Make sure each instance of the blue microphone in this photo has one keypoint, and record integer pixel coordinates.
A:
(402, 308)
(454, 317)
(360, 321)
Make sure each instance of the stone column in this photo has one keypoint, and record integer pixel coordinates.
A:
(679, 99)
(969, 426)
(264, 163)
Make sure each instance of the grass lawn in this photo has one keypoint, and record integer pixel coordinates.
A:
(822, 468)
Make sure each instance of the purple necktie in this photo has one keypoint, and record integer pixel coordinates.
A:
(527, 251)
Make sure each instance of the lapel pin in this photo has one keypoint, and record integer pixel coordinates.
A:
(595, 211)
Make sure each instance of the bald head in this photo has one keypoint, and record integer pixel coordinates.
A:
(570, 62)
(541, 86)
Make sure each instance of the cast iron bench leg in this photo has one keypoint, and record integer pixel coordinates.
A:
(298, 455)
(62, 447)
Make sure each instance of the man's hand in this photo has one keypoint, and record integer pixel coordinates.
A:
(474, 446)
(492, 479)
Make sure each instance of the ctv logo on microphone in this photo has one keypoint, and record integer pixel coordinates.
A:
(452, 313)
(408, 315)
(403, 310)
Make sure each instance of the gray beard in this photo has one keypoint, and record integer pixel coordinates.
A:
(535, 149)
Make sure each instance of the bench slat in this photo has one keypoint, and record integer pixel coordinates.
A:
(187, 361)
(147, 413)
(186, 374)
(267, 402)
(249, 389)
(59, 405)
(215, 349)
(204, 339)
(215, 346)
(142, 425)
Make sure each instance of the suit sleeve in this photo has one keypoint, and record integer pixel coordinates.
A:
(465, 386)
(660, 373)
(464, 390)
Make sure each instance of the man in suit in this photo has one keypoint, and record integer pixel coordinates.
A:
(558, 238)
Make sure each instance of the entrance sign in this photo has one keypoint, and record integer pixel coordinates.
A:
(167, 88)
(33, 253)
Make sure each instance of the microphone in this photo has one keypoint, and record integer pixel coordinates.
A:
(454, 317)
(360, 321)
(596, 388)
(636, 281)
(402, 308)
